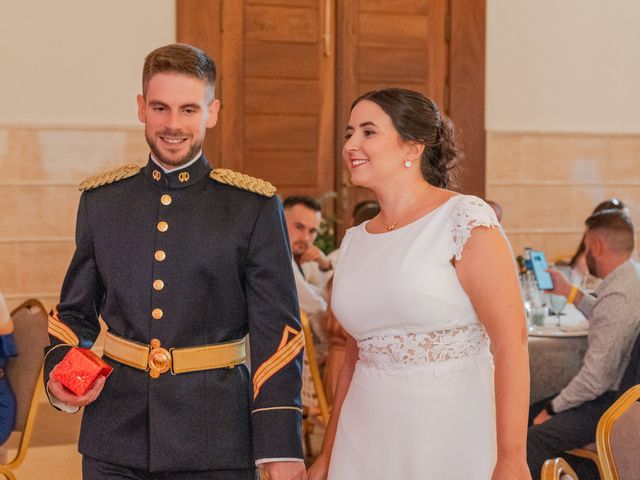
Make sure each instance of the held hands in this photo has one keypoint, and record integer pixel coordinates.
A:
(314, 254)
(69, 398)
(561, 284)
(283, 471)
(319, 469)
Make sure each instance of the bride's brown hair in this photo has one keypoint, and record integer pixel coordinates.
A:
(417, 118)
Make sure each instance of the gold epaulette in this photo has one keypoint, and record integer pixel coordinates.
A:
(105, 178)
(245, 182)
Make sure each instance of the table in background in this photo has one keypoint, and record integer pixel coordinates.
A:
(555, 360)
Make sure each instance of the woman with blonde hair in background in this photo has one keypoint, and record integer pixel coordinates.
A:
(428, 293)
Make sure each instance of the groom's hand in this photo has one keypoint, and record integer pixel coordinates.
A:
(284, 471)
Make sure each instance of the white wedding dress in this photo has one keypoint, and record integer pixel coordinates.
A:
(421, 402)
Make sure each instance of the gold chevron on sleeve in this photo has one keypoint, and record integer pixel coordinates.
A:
(243, 181)
(286, 352)
(61, 330)
(105, 178)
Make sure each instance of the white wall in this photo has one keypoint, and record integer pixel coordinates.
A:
(77, 62)
(563, 66)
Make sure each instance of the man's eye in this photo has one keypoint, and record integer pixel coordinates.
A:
(368, 133)
(348, 135)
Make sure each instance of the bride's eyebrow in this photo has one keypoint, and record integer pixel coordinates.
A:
(362, 125)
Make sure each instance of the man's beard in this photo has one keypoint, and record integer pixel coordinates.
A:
(299, 250)
(195, 148)
(591, 264)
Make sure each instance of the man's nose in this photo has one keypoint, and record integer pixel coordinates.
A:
(173, 122)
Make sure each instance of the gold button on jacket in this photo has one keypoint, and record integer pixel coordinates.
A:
(157, 313)
(163, 226)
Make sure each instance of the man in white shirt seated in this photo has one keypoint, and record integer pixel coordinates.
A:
(311, 267)
(569, 419)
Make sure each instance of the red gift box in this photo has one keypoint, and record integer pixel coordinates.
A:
(79, 369)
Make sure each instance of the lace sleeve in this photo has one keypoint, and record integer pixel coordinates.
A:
(469, 213)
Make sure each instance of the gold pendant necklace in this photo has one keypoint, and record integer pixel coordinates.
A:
(389, 227)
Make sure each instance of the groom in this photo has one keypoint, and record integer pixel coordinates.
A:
(182, 262)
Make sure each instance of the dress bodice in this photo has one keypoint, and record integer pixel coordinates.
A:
(403, 281)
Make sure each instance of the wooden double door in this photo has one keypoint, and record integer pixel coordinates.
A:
(288, 71)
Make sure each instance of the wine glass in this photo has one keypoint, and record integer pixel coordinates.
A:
(557, 304)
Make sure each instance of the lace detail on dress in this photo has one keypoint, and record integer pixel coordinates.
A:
(444, 349)
(469, 213)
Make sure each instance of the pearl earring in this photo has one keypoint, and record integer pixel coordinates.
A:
(407, 163)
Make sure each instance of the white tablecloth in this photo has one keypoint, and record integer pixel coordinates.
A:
(555, 355)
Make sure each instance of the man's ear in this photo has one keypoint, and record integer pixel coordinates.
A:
(141, 109)
(213, 110)
(598, 244)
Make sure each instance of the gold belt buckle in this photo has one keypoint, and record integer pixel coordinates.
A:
(159, 360)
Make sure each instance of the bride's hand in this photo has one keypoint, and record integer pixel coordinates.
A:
(511, 470)
(319, 469)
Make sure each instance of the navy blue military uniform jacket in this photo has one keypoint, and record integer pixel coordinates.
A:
(223, 259)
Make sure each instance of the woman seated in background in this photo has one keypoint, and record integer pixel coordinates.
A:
(7, 349)
(579, 273)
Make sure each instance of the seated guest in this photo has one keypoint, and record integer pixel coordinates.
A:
(569, 419)
(7, 349)
(579, 272)
(311, 267)
(362, 212)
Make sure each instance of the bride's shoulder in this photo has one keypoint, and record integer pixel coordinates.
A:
(469, 208)
(468, 213)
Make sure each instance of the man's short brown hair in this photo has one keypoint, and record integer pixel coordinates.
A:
(183, 59)
(616, 228)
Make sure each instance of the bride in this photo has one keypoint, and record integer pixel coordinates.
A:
(427, 291)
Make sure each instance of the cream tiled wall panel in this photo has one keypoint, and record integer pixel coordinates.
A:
(40, 169)
(548, 184)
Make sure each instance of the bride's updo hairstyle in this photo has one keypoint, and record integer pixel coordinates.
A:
(417, 119)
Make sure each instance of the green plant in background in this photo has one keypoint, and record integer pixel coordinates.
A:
(326, 240)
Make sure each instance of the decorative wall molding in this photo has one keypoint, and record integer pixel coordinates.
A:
(36, 239)
(566, 183)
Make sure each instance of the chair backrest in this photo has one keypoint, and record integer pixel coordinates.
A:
(25, 371)
(313, 395)
(618, 437)
(557, 469)
(631, 374)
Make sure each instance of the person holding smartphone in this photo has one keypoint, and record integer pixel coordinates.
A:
(568, 420)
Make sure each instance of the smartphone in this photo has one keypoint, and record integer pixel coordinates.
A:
(539, 264)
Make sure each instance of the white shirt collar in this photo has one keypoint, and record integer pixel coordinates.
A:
(169, 170)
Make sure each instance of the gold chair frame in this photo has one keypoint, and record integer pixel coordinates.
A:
(309, 415)
(605, 428)
(310, 352)
(7, 469)
(555, 468)
(589, 454)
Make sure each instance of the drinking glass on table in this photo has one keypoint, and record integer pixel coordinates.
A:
(556, 305)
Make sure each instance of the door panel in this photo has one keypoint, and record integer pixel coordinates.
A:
(289, 70)
(384, 43)
(277, 91)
